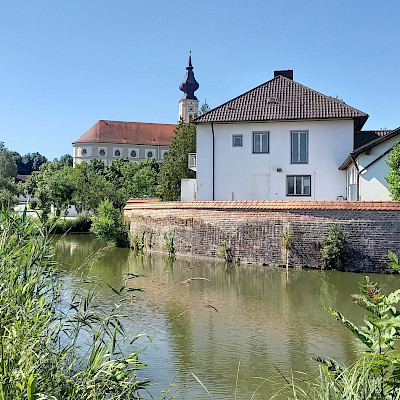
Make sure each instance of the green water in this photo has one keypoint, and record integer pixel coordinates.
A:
(236, 320)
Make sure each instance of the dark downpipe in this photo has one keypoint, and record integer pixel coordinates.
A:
(213, 160)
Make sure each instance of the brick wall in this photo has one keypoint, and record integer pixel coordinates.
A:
(253, 229)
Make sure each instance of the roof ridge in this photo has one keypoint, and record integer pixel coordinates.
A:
(237, 97)
(341, 103)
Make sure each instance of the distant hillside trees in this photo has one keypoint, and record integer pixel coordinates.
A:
(175, 166)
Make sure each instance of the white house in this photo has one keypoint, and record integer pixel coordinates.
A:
(278, 141)
(366, 168)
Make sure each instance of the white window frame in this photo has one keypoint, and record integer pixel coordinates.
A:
(120, 152)
(259, 150)
(237, 137)
(295, 156)
(137, 153)
(297, 177)
(105, 151)
(153, 151)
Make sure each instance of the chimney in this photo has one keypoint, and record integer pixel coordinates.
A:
(287, 73)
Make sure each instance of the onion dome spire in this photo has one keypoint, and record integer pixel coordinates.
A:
(189, 84)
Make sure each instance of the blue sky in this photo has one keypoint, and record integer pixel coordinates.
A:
(66, 64)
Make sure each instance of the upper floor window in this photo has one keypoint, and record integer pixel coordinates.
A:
(133, 153)
(237, 140)
(150, 154)
(102, 152)
(117, 153)
(84, 152)
(260, 142)
(299, 147)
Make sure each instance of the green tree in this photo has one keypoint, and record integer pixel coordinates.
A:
(204, 108)
(393, 177)
(8, 166)
(109, 225)
(175, 166)
(67, 160)
(29, 162)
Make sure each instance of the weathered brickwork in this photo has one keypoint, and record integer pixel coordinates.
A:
(253, 230)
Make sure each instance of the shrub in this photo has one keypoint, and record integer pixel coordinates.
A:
(334, 250)
(169, 243)
(225, 251)
(109, 225)
(33, 204)
(138, 242)
(79, 224)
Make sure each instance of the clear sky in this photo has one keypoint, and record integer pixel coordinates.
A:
(65, 64)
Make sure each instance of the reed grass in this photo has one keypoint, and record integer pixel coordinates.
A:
(49, 348)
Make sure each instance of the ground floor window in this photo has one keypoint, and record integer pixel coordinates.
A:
(298, 185)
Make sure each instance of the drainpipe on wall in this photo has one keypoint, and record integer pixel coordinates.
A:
(358, 175)
(213, 161)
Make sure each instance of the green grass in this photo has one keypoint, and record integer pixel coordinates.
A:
(42, 353)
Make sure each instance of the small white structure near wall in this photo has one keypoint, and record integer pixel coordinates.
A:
(366, 169)
(188, 190)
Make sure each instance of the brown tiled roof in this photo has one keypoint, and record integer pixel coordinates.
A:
(293, 101)
(363, 137)
(380, 139)
(265, 205)
(129, 132)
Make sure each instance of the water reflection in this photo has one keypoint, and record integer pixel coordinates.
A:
(253, 316)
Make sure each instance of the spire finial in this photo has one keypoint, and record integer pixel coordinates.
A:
(189, 84)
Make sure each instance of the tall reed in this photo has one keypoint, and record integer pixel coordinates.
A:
(42, 352)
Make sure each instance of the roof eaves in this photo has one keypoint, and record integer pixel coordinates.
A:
(368, 146)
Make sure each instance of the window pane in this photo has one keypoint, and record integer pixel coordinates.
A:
(290, 184)
(306, 185)
(257, 146)
(265, 143)
(303, 147)
(237, 140)
(298, 184)
(295, 147)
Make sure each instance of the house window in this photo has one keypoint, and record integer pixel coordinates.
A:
(117, 153)
(260, 142)
(237, 140)
(299, 148)
(102, 152)
(133, 154)
(298, 185)
(150, 154)
(165, 154)
(84, 152)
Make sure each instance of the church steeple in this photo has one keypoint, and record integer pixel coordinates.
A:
(189, 84)
(188, 105)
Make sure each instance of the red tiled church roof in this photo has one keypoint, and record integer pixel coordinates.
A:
(281, 98)
(129, 132)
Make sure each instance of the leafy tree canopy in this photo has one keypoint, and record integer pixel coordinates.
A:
(393, 177)
(8, 166)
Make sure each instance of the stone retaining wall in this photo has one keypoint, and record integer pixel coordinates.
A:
(253, 229)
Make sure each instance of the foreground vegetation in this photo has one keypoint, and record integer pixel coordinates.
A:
(52, 347)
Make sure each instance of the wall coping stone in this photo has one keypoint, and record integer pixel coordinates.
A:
(156, 204)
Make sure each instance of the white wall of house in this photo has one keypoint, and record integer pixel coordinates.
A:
(188, 190)
(242, 175)
(373, 185)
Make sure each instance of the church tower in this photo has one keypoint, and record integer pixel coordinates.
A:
(188, 105)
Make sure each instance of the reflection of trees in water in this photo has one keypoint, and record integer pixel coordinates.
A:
(263, 317)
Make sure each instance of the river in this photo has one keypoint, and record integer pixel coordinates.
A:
(230, 325)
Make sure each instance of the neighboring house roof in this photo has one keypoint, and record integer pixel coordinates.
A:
(282, 98)
(22, 177)
(129, 132)
(363, 137)
(368, 146)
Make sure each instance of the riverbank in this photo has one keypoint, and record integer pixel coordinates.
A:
(253, 231)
